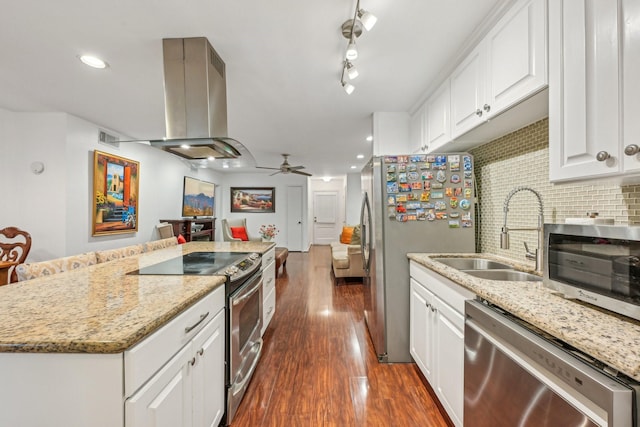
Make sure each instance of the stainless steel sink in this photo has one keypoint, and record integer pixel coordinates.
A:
(473, 263)
(510, 275)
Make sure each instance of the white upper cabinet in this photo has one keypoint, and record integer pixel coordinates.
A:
(630, 84)
(416, 130)
(467, 93)
(438, 118)
(584, 137)
(594, 62)
(508, 66)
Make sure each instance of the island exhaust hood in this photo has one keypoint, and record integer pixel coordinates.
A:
(195, 95)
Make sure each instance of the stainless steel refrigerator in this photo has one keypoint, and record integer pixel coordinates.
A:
(411, 203)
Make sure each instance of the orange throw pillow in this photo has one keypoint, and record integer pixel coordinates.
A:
(239, 233)
(345, 237)
(181, 239)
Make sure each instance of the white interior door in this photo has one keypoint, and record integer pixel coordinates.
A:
(326, 220)
(294, 218)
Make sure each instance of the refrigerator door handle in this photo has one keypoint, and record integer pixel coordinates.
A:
(365, 241)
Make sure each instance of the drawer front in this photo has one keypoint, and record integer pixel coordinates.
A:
(269, 278)
(269, 257)
(268, 309)
(148, 356)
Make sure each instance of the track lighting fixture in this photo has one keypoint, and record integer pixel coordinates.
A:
(351, 30)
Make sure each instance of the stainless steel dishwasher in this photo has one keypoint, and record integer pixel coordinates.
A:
(515, 375)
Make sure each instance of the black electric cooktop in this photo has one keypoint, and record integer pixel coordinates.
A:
(195, 263)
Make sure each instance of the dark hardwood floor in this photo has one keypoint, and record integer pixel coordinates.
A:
(318, 366)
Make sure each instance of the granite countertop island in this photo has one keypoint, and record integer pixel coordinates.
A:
(102, 309)
(610, 338)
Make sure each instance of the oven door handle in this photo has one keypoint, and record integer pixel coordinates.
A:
(238, 387)
(246, 294)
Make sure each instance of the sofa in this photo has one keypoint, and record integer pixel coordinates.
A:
(346, 255)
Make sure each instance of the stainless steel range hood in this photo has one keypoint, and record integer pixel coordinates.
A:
(195, 94)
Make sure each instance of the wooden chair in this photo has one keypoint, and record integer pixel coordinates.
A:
(14, 248)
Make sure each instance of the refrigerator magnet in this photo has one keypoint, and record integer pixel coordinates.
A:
(426, 185)
(467, 223)
(401, 217)
(413, 176)
(391, 211)
(417, 158)
(448, 192)
(425, 166)
(400, 208)
(466, 216)
(454, 166)
(453, 202)
(402, 177)
(431, 215)
(440, 205)
(468, 174)
(457, 192)
(403, 159)
(392, 187)
(454, 214)
(428, 205)
(441, 215)
(431, 159)
(427, 175)
(412, 167)
(401, 198)
(391, 177)
(391, 200)
(413, 205)
(391, 168)
(402, 167)
(467, 193)
(437, 195)
(412, 217)
(390, 159)
(468, 183)
(454, 223)
(421, 215)
(441, 176)
(416, 185)
(424, 197)
(413, 196)
(441, 159)
(403, 187)
(436, 185)
(455, 178)
(465, 204)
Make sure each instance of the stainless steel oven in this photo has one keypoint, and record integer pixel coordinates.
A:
(596, 264)
(244, 340)
(515, 375)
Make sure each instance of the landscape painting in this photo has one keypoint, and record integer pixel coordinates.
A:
(115, 194)
(197, 198)
(252, 199)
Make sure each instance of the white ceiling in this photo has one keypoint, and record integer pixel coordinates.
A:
(283, 60)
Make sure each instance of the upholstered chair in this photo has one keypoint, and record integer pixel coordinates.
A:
(113, 254)
(237, 223)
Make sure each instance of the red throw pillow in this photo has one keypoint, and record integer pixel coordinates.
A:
(181, 239)
(239, 233)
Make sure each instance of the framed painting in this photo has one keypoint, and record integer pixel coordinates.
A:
(253, 199)
(115, 194)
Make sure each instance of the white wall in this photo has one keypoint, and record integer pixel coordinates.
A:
(55, 206)
(255, 220)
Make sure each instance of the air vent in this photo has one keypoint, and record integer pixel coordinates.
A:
(217, 62)
(107, 139)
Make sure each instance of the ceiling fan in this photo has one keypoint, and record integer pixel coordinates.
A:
(285, 167)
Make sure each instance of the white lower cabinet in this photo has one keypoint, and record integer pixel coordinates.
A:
(189, 389)
(437, 336)
(268, 287)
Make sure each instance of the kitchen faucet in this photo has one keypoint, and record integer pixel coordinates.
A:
(504, 235)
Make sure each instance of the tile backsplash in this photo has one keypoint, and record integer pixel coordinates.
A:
(522, 159)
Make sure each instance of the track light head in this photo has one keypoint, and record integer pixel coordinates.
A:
(368, 19)
(352, 51)
(352, 71)
(348, 87)
(351, 25)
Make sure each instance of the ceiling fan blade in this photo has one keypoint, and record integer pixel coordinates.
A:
(275, 173)
(265, 167)
(296, 167)
(301, 173)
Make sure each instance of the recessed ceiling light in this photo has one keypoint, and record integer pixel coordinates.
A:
(211, 158)
(93, 61)
(353, 166)
(185, 146)
(360, 156)
(370, 138)
(326, 178)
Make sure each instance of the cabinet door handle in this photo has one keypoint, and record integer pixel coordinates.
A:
(602, 156)
(192, 327)
(487, 107)
(192, 361)
(201, 352)
(479, 112)
(631, 150)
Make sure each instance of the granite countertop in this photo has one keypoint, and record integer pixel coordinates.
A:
(101, 309)
(610, 338)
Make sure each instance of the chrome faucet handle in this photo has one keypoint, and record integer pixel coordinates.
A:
(530, 255)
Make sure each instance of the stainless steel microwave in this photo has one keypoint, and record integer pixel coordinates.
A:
(597, 264)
